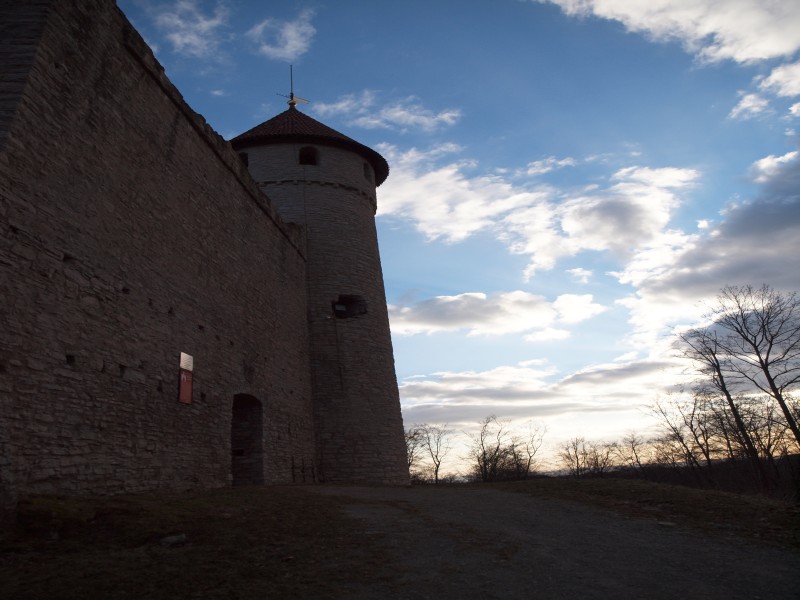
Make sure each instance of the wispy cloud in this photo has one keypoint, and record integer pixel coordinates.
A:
(495, 314)
(363, 110)
(551, 163)
(440, 199)
(739, 30)
(191, 31)
(749, 106)
(783, 80)
(580, 275)
(284, 40)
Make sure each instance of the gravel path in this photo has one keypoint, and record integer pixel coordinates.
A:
(480, 543)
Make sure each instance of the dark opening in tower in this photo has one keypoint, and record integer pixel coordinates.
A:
(308, 155)
(247, 444)
(349, 306)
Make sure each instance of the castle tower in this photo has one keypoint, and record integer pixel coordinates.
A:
(326, 182)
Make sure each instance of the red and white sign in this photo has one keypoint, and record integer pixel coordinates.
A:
(185, 389)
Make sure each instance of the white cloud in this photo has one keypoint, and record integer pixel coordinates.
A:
(714, 30)
(548, 334)
(580, 275)
(404, 114)
(348, 104)
(654, 257)
(767, 168)
(284, 40)
(219, 93)
(666, 177)
(749, 106)
(783, 80)
(444, 203)
(755, 242)
(494, 314)
(441, 200)
(630, 217)
(794, 110)
(190, 31)
(573, 308)
(620, 218)
(614, 394)
(470, 395)
(407, 114)
(551, 163)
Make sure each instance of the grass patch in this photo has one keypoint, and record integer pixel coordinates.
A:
(725, 513)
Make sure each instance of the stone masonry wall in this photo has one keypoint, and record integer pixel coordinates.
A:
(357, 404)
(129, 233)
(21, 27)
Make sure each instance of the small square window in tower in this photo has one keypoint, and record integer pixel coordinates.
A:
(349, 306)
(308, 155)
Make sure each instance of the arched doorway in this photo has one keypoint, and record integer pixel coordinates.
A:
(247, 441)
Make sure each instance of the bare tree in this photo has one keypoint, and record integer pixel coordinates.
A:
(522, 450)
(704, 347)
(633, 451)
(497, 453)
(765, 423)
(685, 424)
(587, 459)
(489, 447)
(414, 447)
(601, 458)
(761, 343)
(752, 345)
(667, 452)
(436, 441)
(573, 456)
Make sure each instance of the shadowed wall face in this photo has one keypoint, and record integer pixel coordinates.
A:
(247, 441)
(359, 427)
(130, 233)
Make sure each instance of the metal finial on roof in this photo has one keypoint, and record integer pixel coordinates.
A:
(293, 100)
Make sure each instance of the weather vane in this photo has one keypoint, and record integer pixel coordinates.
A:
(293, 100)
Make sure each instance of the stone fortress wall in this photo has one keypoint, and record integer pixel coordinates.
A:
(131, 232)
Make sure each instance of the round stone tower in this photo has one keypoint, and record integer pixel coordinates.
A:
(326, 181)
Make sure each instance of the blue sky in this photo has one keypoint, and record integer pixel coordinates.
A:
(570, 180)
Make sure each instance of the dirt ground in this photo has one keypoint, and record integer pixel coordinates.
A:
(466, 543)
(542, 538)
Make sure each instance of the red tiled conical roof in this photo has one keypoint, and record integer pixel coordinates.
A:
(295, 126)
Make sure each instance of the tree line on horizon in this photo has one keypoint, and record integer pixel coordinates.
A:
(735, 426)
